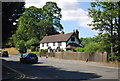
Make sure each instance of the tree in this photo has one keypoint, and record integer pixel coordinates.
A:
(32, 43)
(35, 23)
(20, 45)
(91, 45)
(11, 11)
(106, 21)
(52, 15)
(28, 26)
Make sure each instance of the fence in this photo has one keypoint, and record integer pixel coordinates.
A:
(95, 57)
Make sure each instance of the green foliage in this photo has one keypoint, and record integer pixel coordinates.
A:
(20, 45)
(52, 15)
(33, 48)
(44, 51)
(91, 45)
(35, 52)
(79, 49)
(106, 19)
(28, 25)
(68, 51)
(35, 23)
(86, 41)
(31, 42)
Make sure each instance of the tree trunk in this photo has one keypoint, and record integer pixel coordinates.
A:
(111, 34)
(119, 30)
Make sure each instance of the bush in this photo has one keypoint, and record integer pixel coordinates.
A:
(94, 47)
(62, 50)
(35, 52)
(79, 49)
(44, 51)
(69, 51)
(91, 47)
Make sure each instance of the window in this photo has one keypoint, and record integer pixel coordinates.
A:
(53, 43)
(59, 43)
(47, 44)
(73, 39)
(42, 44)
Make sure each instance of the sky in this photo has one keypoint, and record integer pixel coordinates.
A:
(74, 15)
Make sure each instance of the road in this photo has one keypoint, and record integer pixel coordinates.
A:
(51, 68)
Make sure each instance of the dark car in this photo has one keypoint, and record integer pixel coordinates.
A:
(4, 54)
(29, 58)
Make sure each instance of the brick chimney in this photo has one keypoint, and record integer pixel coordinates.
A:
(62, 32)
(76, 32)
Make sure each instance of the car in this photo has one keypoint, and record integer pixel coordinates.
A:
(4, 54)
(29, 58)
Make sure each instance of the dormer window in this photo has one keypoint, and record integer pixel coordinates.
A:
(73, 39)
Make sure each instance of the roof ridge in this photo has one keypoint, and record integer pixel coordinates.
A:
(59, 34)
(57, 37)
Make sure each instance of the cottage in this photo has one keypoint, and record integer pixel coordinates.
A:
(60, 41)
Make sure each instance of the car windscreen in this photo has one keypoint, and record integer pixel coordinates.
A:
(32, 55)
(24, 55)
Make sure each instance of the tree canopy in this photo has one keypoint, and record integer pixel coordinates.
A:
(35, 23)
(11, 11)
(91, 45)
(106, 19)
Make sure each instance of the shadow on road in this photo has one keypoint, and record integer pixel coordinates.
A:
(42, 71)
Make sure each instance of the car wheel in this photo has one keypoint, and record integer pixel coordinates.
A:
(21, 61)
(36, 62)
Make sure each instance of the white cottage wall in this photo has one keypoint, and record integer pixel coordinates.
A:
(63, 45)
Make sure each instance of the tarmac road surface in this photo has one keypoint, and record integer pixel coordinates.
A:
(51, 68)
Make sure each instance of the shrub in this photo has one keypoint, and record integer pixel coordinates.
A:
(79, 49)
(35, 52)
(94, 47)
(62, 50)
(91, 47)
(44, 51)
(69, 51)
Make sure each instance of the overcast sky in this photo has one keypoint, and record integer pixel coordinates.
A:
(74, 15)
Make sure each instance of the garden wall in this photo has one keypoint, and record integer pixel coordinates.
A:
(95, 57)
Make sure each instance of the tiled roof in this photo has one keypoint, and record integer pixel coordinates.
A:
(57, 38)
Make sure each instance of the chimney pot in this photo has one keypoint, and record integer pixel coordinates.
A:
(77, 32)
(62, 32)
